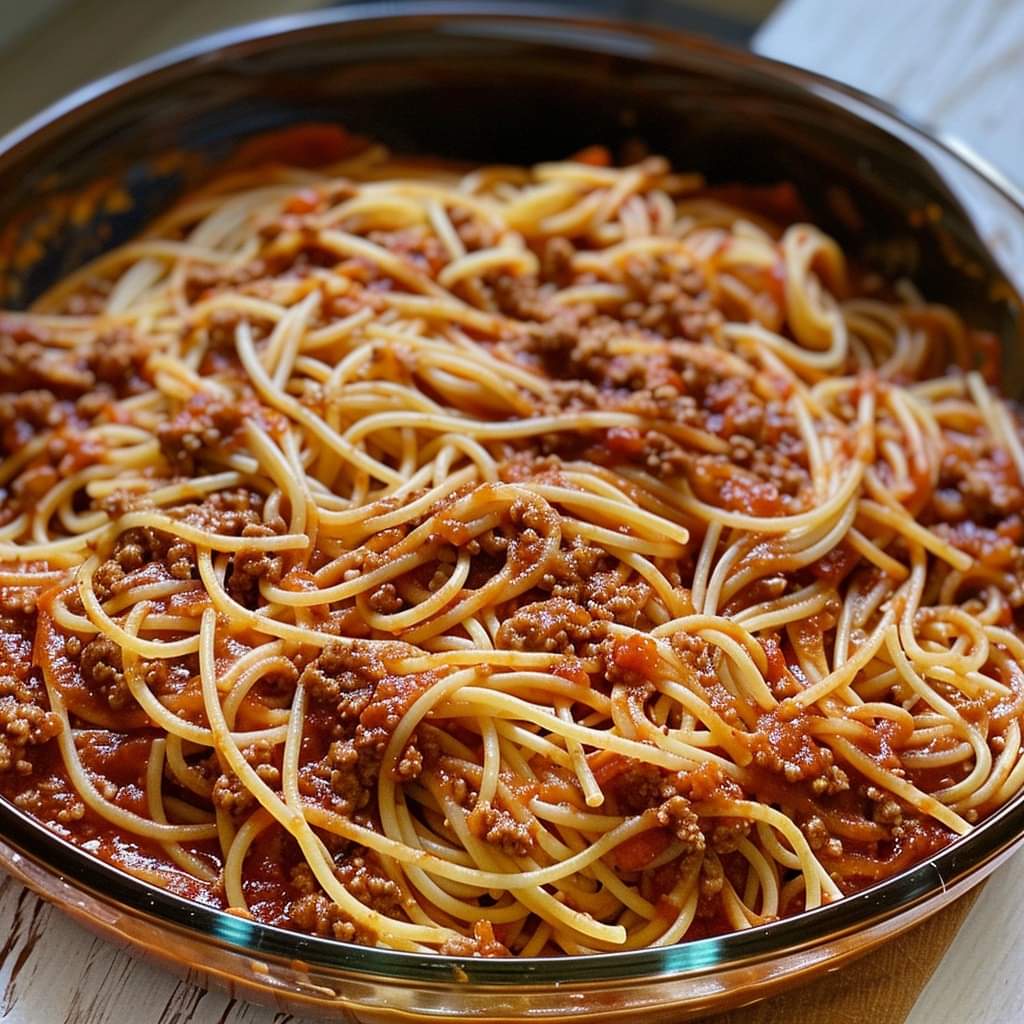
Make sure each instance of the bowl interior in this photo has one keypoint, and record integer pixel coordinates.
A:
(500, 89)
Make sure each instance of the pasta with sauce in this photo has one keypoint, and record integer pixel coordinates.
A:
(508, 561)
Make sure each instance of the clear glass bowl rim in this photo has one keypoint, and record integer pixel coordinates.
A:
(885, 901)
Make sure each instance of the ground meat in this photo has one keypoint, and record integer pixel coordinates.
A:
(369, 886)
(625, 605)
(726, 834)
(556, 625)
(50, 798)
(229, 793)
(677, 814)
(831, 781)
(710, 886)
(110, 365)
(669, 296)
(385, 600)
(249, 567)
(103, 672)
(532, 521)
(116, 359)
(202, 281)
(887, 810)
(415, 245)
(17, 629)
(640, 787)
(599, 362)
(659, 454)
(582, 350)
(205, 422)
(23, 416)
(474, 232)
(24, 364)
(180, 559)
(363, 754)
(346, 674)
(134, 550)
(701, 656)
(499, 828)
(481, 943)
(816, 831)
(232, 797)
(571, 571)
(577, 575)
(121, 502)
(515, 295)
(107, 578)
(977, 482)
(18, 607)
(302, 879)
(458, 787)
(782, 744)
(25, 723)
(351, 786)
(556, 261)
(416, 753)
(316, 914)
(230, 513)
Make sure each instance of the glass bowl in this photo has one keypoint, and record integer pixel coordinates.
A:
(514, 84)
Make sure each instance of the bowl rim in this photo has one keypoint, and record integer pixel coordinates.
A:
(954, 866)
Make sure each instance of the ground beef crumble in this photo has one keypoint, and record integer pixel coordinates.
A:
(249, 567)
(346, 673)
(312, 911)
(556, 625)
(500, 828)
(677, 814)
(317, 915)
(352, 682)
(229, 793)
(102, 671)
(25, 723)
(111, 365)
(481, 943)
(24, 415)
(206, 422)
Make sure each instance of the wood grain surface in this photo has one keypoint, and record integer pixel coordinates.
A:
(880, 988)
(54, 971)
(957, 65)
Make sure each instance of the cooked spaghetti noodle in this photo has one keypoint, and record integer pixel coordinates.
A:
(573, 558)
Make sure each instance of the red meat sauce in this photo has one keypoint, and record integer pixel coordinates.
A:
(121, 759)
(274, 877)
(869, 852)
(728, 434)
(794, 770)
(118, 759)
(116, 753)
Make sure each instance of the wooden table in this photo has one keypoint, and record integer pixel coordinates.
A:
(956, 64)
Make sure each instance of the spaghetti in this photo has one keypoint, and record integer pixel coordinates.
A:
(573, 558)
